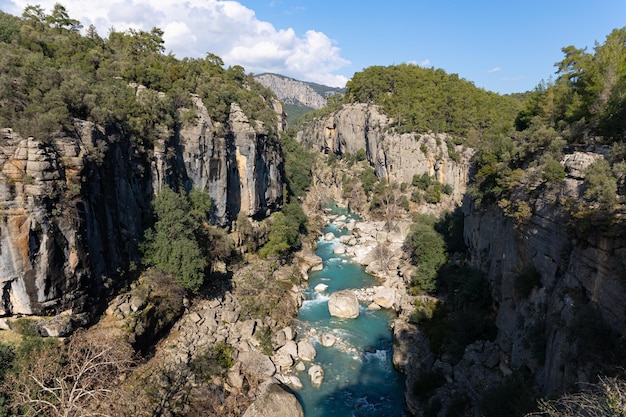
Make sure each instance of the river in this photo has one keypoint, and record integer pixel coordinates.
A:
(359, 377)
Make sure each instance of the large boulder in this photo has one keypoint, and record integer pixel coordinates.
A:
(256, 363)
(306, 351)
(284, 357)
(385, 297)
(276, 401)
(344, 304)
(316, 373)
(327, 339)
(339, 250)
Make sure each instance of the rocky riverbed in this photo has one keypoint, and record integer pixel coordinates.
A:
(267, 353)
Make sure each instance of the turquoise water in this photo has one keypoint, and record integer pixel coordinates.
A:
(359, 377)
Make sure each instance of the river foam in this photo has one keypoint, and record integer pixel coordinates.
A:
(359, 377)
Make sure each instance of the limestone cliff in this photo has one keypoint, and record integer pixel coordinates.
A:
(557, 295)
(577, 294)
(296, 92)
(74, 207)
(395, 157)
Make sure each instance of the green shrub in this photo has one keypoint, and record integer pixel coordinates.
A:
(424, 310)
(404, 202)
(214, 361)
(426, 248)
(298, 163)
(553, 171)
(432, 195)
(368, 178)
(452, 152)
(264, 336)
(179, 242)
(284, 231)
(421, 181)
(26, 327)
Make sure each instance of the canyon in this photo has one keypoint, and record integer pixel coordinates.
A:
(74, 209)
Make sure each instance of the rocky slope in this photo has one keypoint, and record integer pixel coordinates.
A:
(74, 207)
(296, 92)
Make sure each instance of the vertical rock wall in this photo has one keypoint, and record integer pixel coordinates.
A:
(74, 208)
(579, 274)
(395, 157)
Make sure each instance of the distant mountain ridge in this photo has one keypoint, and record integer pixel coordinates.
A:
(298, 93)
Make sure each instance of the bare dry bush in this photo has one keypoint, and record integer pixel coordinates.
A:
(72, 380)
(606, 398)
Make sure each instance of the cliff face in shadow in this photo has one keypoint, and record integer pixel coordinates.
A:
(556, 287)
(74, 207)
(558, 290)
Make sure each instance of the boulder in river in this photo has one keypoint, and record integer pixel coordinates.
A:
(321, 287)
(339, 250)
(327, 339)
(306, 351)
(344, 304)
(316, 373)
(329, 236)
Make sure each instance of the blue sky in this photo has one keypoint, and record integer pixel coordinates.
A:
(499, 45)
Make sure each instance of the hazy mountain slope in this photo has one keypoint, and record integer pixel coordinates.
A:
(298, 93)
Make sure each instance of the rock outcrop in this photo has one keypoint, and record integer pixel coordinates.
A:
(73, 210)
(276, 401)
(74, 207)
(395, 157)
(296, 92)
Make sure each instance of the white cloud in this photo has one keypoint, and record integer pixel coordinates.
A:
(425, 63)
(228, 29)
(495, 69)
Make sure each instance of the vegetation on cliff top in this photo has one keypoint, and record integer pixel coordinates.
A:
(52, 74)
(427, 99)
(583, 109)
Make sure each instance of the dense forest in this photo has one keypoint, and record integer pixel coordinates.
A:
(52, 73)
(422, 99)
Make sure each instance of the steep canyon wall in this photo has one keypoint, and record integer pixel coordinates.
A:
(557, 290)
(565, 328)
(74, 207)
(395, 157)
